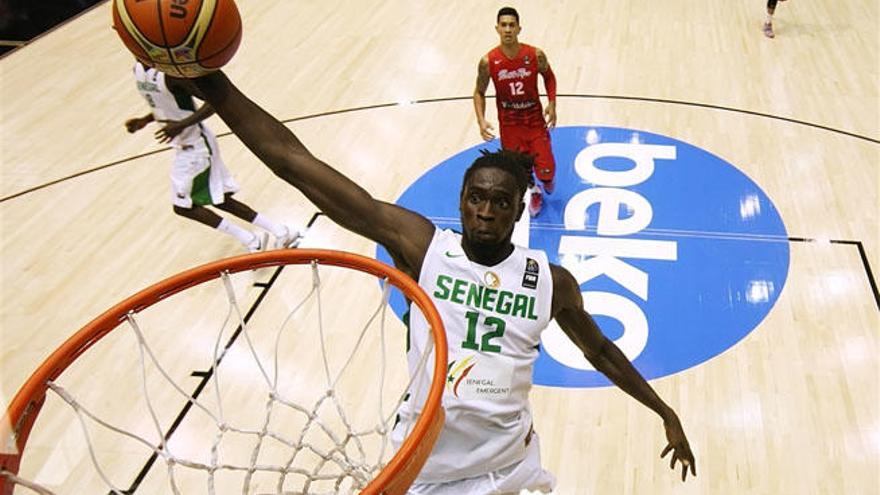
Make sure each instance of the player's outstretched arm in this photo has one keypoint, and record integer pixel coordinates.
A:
(404, 233)
(606, 357)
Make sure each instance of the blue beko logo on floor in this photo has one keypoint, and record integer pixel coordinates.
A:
(679, 255)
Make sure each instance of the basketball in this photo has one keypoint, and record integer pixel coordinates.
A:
(183, 38)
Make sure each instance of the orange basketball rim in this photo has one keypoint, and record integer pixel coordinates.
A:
(397, 475)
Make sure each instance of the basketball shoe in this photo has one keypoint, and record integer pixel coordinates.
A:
(536, 202)
(258, 243)
(290, 238)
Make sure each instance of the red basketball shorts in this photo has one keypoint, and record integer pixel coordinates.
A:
(533, 141)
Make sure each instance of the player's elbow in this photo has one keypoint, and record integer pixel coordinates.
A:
(595, 351)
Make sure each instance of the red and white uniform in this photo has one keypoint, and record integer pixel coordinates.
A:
(520, 113)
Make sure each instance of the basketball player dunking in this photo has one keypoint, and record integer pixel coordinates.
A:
(495, 299)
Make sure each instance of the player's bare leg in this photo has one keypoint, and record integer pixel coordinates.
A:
(285, 236)
(252, 241)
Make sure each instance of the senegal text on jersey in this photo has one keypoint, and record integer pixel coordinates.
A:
(481, 297)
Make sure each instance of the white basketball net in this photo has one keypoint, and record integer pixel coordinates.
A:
(328, 455)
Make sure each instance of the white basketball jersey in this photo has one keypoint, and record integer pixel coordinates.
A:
(494, 317)
(169, 105)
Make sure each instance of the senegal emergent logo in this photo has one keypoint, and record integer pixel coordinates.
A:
(458, 371)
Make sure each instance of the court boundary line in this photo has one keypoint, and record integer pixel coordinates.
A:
(862, 254)
(723, 236)
(457, 98)
(598, 97)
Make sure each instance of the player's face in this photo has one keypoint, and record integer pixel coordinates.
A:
(490, 205)
(508, 29)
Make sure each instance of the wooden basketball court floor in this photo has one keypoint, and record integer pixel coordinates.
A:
(381, 91)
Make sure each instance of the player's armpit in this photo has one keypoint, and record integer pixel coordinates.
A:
(406, 236)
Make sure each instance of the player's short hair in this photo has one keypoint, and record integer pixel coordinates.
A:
(518, 165)
(507, 11)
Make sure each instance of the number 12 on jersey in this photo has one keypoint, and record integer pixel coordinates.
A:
(493, 328)
(516, 88)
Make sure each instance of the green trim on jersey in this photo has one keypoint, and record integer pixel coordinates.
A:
(201, 188)
(205, 139)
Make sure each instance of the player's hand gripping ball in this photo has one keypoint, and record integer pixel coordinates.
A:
(183, 38)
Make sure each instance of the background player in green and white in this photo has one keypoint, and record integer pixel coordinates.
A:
(199, 178)
(475, 278)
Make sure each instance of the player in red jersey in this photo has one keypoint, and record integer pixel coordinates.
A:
(513, 68)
